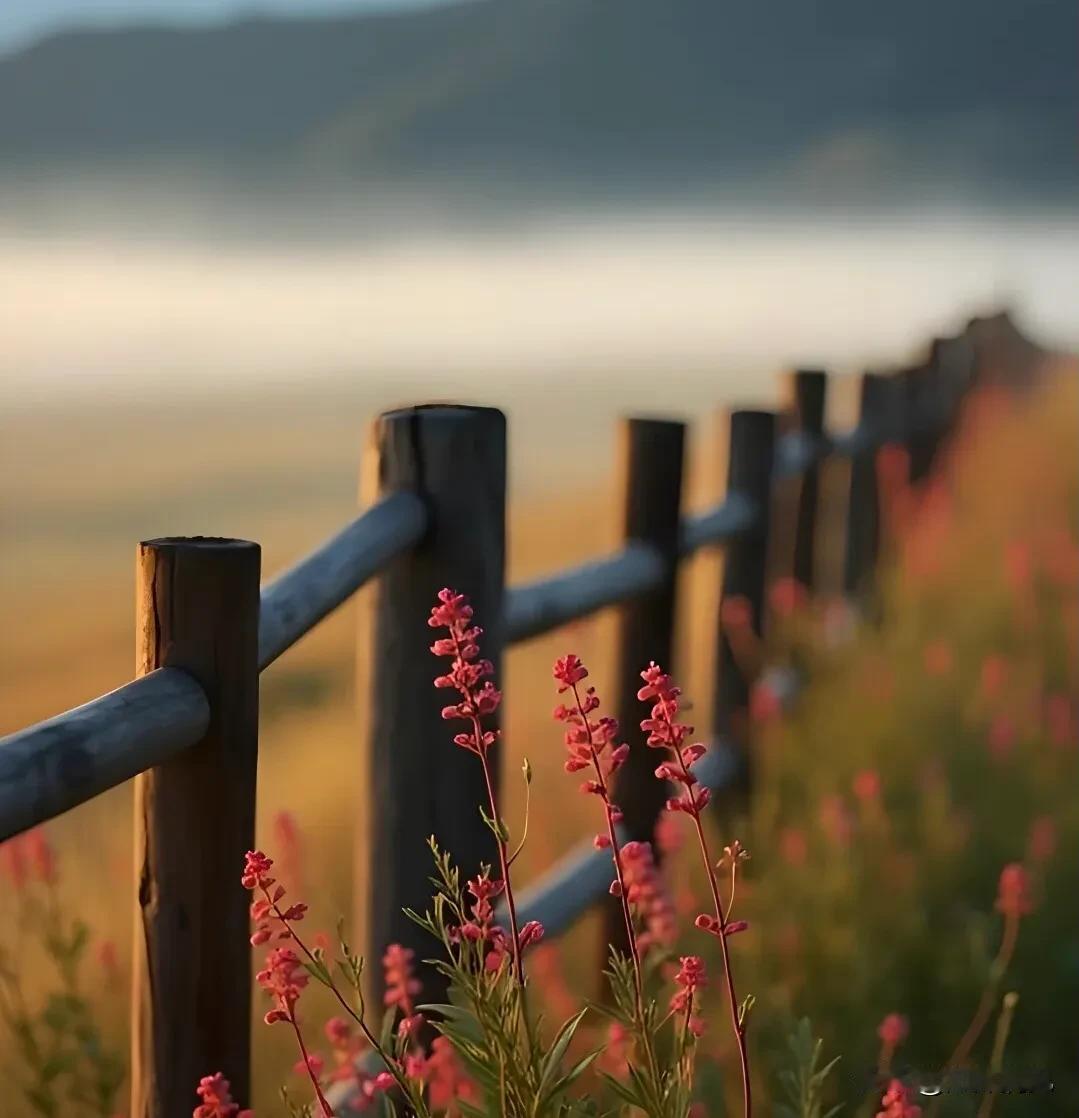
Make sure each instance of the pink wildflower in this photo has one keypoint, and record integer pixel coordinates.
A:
(216, 1096)
(866, 786)
(736, 613)
(665, 732)
(896, 1103)
(765, 704)
(15, 864)
(1002, 736)
(1042, 840)
(481, 929)
(1018, 565)
(401, 985)
(42, 855)
(690, 978)
(446, 1082)
(314, 1065)
(468, 674)
(648, 896)
(1013, 892)
(107, 960)
(893, 1030)
(669, 834)
(938, 659)
(283, 978)
(29, 857)
(994, 675)
(788, 596)
(288, 842)
(616, 1051)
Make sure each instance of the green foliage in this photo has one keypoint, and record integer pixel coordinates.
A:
(488, 1018)
(65, 1066)
(802, 1085)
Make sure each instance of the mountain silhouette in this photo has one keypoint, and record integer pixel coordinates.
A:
(833, 97)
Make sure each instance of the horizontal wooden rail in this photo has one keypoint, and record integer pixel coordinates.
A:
(296, 601)
(797, 451)
(725, 522)
(857, 440)
(75, 756)
(538, 607)
(56, 765)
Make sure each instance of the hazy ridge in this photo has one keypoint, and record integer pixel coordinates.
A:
(684, 97)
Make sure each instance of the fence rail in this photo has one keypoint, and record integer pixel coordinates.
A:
(190, 716)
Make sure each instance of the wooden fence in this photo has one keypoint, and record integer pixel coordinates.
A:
(187, 727)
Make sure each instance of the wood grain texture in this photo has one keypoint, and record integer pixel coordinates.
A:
(297, 600)
(805, 393)
(58, 764)
(198, 609)
(863, 506)
(416, 782)
(651, 466)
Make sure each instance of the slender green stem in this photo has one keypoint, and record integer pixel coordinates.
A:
(721, 916)
(391, 1064)
(616, 855)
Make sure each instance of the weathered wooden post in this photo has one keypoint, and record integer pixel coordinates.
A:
(921, 432)
(198, 609)
(805, 400)
(952, 362)
(863, 505)
(417, 783)
(652, 453)
(751, 452)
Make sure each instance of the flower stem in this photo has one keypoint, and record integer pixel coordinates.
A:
(503, 862)
(616, 854)
(721, 916)
(327, 1111)
(985, 1005)
(391, 1064)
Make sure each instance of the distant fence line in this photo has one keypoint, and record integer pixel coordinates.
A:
(187, 727)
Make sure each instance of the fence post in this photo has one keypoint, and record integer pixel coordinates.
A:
(920, 430)
(651, 479)
(863, 503)
(951, 360)
(751, 452)
(806, 394)
(417, 783)
(198, 609)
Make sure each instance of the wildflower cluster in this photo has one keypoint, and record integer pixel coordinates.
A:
(667, 733)
(215, 1091)
(286, 975)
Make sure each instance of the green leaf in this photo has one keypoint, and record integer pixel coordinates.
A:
(553, 1062)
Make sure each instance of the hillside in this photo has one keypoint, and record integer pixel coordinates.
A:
(672, 95)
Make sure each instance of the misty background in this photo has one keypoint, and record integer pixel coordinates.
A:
(202, 200)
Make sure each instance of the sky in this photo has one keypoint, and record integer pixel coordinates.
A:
(23, 21)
